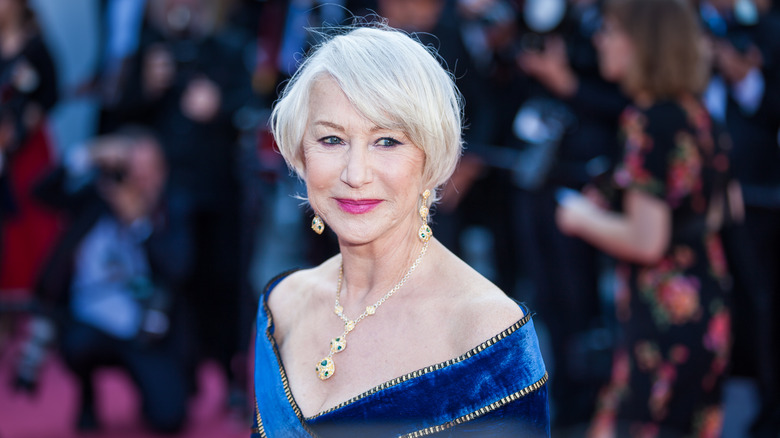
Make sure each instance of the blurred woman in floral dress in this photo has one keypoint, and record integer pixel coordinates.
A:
(671, 295)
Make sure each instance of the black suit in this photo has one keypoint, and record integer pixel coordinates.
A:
(754, 247)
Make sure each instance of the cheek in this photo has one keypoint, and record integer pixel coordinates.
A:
(614, 60)
(320, 175)
(623, 53)
(407, 171)
(316, 176)
(317, 167)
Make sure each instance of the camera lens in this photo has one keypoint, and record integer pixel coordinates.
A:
(115, 175)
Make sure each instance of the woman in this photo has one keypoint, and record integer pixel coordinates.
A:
(395, 335)
(28, 90)
(670, 300)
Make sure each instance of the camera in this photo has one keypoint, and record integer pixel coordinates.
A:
(113, 174)
(531, 42)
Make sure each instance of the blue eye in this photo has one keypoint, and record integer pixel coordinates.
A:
(387, 142)
(332, 140)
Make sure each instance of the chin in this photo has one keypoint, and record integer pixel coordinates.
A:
(355, 234)
(352, 240)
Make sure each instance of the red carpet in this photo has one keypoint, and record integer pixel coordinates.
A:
(51, 411)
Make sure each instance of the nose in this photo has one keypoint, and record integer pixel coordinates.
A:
(357, 170)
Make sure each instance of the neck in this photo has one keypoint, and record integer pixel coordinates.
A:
(370, 271)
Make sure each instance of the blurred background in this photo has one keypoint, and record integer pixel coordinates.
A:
(143, 205)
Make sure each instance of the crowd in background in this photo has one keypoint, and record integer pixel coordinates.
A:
(180, 207)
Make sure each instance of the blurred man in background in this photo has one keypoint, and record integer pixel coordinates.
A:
(187, 81)
(112, 288)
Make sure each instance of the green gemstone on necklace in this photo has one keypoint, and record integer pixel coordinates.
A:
(338, 344)
(326, 368)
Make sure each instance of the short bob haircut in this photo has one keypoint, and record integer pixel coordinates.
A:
(392, 80)
(669, 60)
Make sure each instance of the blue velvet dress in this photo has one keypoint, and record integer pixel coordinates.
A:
(497, 389)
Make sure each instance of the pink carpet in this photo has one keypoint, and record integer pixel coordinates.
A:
(51, 412)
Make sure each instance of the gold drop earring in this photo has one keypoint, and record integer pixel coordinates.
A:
(317, 225)
(425, 233)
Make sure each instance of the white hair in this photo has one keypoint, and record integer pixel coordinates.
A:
(392, 80)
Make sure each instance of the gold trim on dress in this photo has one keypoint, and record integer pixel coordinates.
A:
(260, 430)
(481, 411)
(390, 383)
(414, 374)
(282, 373)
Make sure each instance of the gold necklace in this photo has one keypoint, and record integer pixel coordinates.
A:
(326, 367)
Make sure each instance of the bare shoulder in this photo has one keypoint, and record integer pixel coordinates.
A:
(285, 290)
(479, 310)
(299, 290)
(483, 311)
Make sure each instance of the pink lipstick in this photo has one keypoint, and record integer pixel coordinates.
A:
(358, 206)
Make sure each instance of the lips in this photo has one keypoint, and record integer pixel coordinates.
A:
(358, 206)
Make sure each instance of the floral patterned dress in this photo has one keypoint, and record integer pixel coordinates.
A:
(674, 315)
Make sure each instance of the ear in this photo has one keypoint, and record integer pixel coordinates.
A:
(428, 184)
(299, 166)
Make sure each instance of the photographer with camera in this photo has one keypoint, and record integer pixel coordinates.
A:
(187, 81)
(111, 287)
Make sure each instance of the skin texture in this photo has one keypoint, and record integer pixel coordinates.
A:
(443, 310)
(346, 157)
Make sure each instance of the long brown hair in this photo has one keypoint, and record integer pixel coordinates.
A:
(669, 59)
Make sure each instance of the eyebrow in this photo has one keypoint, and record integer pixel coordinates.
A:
(341, 128)
(330, 125)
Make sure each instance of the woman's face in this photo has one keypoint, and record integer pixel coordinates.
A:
(615, 51)
(364, 181)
